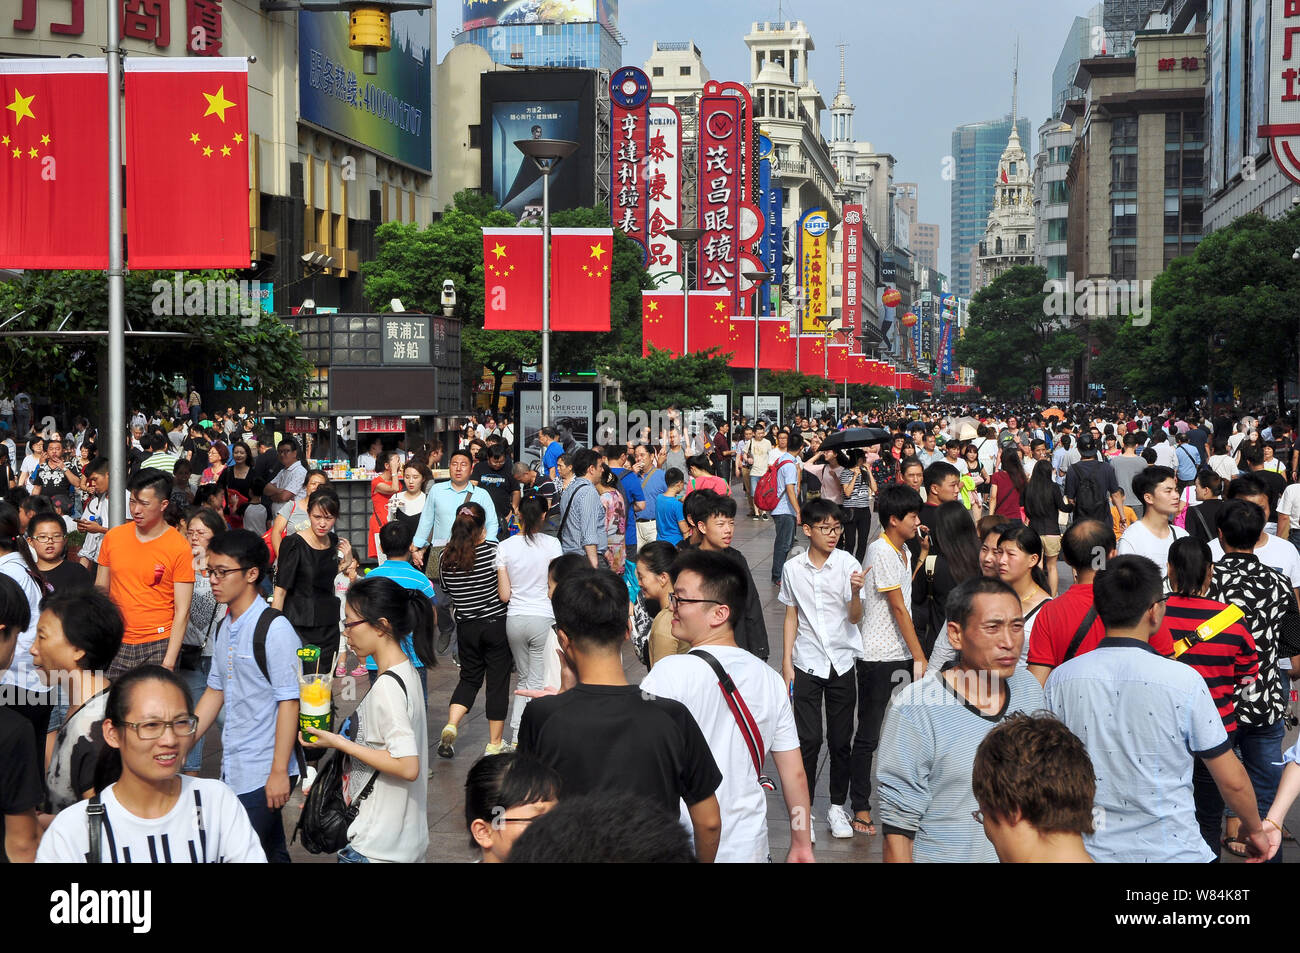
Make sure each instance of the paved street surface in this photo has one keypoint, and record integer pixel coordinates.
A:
(448, 840)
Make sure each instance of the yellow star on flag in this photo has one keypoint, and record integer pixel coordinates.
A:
(217, 103)
(45, 140)
(720, 306)
(238, 138)
(32, 153)
(17, 152)
(654, 305)
(207, 150)
(499, 250)
(194, 137)
(4, 140)
(22, 106)
(597, 250)
(225, 150)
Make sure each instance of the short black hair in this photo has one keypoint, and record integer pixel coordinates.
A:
(91, 622)
(720, 579)
(326, 498)
(583, 460)
(961, 601)
(1189, 558)
(496, 783)
(712, 504)
(895, 501)
(1248, 484)
(1082, 542)
(288, 443)
(673, 476)
(591, 609)
(1126, 589)
(937, 472)
(51, 517)
(245, 547)
(814, 511)
(1240, 523)
(1146, 480)
(795, 440)
(395, 538)
(151, 479)
(606, 827)
(95, 466)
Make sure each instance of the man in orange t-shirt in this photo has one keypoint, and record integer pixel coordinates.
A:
(148, 571)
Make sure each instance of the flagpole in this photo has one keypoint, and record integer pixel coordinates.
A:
(758, 279)
(116, 282)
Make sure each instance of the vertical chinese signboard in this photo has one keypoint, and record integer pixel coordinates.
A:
(813, 229)
(769, 201)
(1283, 127)
(663, 190)
(851, 240)
(720, 169)
(629, 93)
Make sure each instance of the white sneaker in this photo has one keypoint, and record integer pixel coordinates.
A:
(838, 819)
(812, 827)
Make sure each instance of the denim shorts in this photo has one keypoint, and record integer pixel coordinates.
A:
(349, 856)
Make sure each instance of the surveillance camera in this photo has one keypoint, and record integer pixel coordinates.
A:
(396, 305)
(308, 303)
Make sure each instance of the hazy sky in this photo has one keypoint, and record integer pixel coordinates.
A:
(915, 69)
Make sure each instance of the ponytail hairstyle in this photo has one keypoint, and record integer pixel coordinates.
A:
(458, 556)
(532, 513)
(1030, 543)
(12, 540)
(1014, 468)
(377, 599)
(108, 768)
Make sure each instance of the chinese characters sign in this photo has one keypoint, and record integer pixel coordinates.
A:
(851, 240)
(629, 93)
(663, 189)
(813, 229)
(406, 339)
(770, 204)
(1283, 127)
(146, 20)
(719, 193)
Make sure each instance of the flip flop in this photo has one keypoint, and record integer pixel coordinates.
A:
(1235, 847)
(861, 826)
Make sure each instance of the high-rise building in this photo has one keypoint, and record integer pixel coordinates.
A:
(925, 245)
(1052, 196)
(976, 150)
(1009, 237)
(535, 34)
(1087, 37)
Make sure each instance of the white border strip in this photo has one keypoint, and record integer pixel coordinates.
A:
(180, 64)
(14, 67)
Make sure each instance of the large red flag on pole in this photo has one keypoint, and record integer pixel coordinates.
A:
(512, 279)
(741, 341)
(53, 164)
(661, 322)
(187, 162)
(581, 261)
(838, 363)
(776, 345)
(709, 319)
(812, 355)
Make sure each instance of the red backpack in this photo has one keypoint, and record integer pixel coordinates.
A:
(767, 496)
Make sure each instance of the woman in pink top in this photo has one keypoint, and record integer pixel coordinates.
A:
(702, 477)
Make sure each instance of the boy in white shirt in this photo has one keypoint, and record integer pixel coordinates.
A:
(821, 589)
(1153, 534)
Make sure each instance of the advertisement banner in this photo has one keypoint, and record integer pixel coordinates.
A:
(814, 227)
(719, 194)
(516, 181)
(388, 112)
(480, 13)
(851, 240)
(945, 348)
(1058, 386)
(769, 407)
(771, 247)
(629, 96)
(572, 414)
(663, 189)
(1283, 129)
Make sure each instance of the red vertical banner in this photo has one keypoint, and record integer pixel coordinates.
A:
(838, 363)
(629, 94)
(719, 188)
(661, 322)
(851, 245)
(812, 355)
(512, 279)
(581, 262)
(858, 369)
(741, 341)
(709, 321)
(663, 182)
(776, 344)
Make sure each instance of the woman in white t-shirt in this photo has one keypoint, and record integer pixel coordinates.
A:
(152, 812)
(386, 763)
(521, 564)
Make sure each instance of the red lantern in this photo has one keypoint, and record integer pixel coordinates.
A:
(909, 319)
(891, 297)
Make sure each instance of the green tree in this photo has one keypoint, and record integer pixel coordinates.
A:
(1011, 340)
(659, 380)
(792, 385)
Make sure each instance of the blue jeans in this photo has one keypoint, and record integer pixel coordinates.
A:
(784, 540)
(349, 856)
(1260, 748)
(267, 824)
(197, 680)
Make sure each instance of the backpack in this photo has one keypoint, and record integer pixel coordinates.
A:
(260, 631)
(1090, 500)
(767, 496)
(325, 817)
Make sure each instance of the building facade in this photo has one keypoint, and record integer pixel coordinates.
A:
(1009, 237)
(925, 245)
(1052, 197)
(976, 151)
(538, 37)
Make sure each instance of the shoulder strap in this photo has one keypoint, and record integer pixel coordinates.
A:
(564, 517)
(352, 809)
(264, 621)
(740, 711)
(1200, 518)
(1084, 627)
(95, 827)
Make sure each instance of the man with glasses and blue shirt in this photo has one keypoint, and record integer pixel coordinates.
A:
(261, 725)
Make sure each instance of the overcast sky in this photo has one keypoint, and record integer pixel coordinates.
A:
(915, 69)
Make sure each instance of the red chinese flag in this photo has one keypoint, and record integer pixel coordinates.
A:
(776, 346)
(512, 279)
(741, 342)
(838, 363)
(661, 322)
(709, 317)
(581, 260)
(812, 355)
(54, 164)
(858, 369)
(187, 162)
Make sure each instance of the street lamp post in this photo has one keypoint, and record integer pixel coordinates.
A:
(686, 238)
(546, 153)
(758, 278)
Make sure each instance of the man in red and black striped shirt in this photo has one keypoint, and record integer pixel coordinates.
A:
(1226, 661)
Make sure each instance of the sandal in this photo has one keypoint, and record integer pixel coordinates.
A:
(863, 825)
(1235, 847)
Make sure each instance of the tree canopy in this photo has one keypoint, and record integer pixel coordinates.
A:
(659, 381)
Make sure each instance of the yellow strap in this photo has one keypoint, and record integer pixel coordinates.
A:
(1210, 628)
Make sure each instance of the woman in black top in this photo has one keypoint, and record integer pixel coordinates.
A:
(954, 558)
(8, 479)
(1044, 502)
(304, 578)
(468, 569)
(238, 478)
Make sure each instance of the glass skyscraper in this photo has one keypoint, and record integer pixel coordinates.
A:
(976, 149)
(569, 45)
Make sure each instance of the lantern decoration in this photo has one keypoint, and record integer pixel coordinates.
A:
(891, 297)
(909, 319)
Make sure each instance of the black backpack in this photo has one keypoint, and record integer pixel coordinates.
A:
(325, 817)
(1090, 500)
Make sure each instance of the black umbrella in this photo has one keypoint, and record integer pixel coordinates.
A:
(856, 437)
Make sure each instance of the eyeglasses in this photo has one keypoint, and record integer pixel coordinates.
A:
(349, 625)
(220, 574)
(153, 730)
(50, 539)
(675, 600)
(834, 530)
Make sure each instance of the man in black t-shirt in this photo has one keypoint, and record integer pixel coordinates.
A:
(602, 734)
(494, 476)
(22, 787)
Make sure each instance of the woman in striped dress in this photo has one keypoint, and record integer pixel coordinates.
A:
(468, 569)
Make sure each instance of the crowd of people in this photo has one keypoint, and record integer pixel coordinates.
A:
(976, 700)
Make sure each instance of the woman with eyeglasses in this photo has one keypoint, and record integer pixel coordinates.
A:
(151, 812)
(504, 793)
(195, 662)
(467, 566)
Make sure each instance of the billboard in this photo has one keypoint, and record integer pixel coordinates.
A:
(851, 243)
(389, 112)
(720, 172)
(572, 414)
(663, 190)
(771, 248)
(813, 232)
(556, 104)
(629, 94)
(477, 13)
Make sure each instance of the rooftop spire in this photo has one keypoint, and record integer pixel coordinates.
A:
(843, 46)
(1015, 81)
